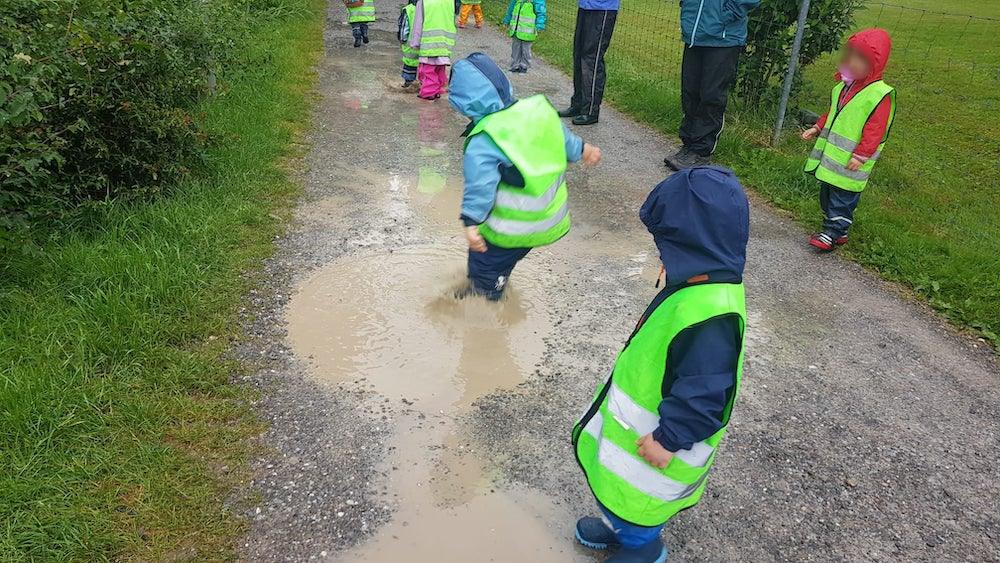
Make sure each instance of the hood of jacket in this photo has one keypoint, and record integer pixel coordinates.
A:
(700, 222)
(874, 45)
(478, 87)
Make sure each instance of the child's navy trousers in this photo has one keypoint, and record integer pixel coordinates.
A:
(490, 270)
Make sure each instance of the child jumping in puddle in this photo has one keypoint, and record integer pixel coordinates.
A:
(649, 439)
(515, 195)
(851, 135)
(433, 36)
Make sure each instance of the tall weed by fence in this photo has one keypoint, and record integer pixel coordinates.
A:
(929, 217)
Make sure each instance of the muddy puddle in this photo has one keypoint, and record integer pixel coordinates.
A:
(393, 320)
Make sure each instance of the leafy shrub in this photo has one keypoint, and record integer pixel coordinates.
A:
(95, 100)
(771, 32)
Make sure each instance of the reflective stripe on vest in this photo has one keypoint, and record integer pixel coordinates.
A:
(522, 21)
(437, 36)
(531, 136)
(625, 409)
(836, 143)
(362, 14)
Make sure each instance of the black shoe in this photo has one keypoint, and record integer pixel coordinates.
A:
(570, 112)
(679, 153)
(687, 159)
(585, 119)
(364, 39)
(357, 41)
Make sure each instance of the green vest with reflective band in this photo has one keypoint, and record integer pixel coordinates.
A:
(842, 133)
(437, 36)
(625, 409)
(530, 134)
(362, 14)
(522, 21)
(410, 55)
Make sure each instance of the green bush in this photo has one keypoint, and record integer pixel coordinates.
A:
(771, 31)
(94, 103)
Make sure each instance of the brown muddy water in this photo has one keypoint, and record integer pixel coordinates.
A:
(393, 321)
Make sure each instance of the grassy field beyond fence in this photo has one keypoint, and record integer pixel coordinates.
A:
(121, 435)
(930, 217)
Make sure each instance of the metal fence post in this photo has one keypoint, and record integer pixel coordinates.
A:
(209, 59)
(793, 62)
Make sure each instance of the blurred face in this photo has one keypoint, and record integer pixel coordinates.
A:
(853, 65)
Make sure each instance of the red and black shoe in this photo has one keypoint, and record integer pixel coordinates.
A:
(841, 241)
(822, 241)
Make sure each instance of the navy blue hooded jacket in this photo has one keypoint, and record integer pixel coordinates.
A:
(700, 222)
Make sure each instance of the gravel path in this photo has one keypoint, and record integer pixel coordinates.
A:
(866, 429)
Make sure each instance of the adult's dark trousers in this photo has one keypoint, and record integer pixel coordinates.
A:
(590, 42)
(707, 74)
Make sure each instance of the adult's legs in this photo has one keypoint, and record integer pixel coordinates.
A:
(596, 37)
(712, 74)
(576, 101)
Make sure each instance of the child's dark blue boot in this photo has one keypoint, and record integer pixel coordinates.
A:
(595, 534)
(652, 552)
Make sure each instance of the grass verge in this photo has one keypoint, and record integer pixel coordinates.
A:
(928, 218)
(122, 436)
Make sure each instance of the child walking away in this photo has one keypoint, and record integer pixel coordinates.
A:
(850, 137)
(410, 55)
(360, 13)
(525, 18)
(648, 441)
(515, 196)
(433, 36)
(470, 6)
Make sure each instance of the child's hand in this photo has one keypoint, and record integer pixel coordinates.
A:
(591, 155)
(810, 133)
(854, 164)
(651, 451)
(476, 241)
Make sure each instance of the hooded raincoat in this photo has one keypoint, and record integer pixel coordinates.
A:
(875, 45)
(699, 219)
(479, 88)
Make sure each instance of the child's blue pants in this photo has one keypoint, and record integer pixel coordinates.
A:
(630, 535)
(490, 270)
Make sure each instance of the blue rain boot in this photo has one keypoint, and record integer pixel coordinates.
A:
(652, 552)
(595, 534)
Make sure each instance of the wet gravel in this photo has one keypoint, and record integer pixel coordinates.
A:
(866, 430)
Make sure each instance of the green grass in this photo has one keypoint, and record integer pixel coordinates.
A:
(121, 434)
(929, 217)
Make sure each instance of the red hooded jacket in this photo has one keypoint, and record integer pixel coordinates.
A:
(873, 44)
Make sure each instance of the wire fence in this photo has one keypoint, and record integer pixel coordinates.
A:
(945, 66)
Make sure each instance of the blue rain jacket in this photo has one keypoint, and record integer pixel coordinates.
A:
(478, 88)
(715, 23)
(700, 222)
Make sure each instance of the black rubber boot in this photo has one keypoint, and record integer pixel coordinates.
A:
(569, 112)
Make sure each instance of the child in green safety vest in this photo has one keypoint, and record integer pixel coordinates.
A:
(649, 439)
(411, 56)
(851, 135)
(360, 13)
(515, 195)
(524, 20)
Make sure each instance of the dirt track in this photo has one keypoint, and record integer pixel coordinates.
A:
(866, 430)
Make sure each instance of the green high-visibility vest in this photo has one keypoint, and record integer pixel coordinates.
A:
(437, 36)
(362, 14)
(625, 409)
(842, 133)
(530, 134)
(410, 55)
(522, 21)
